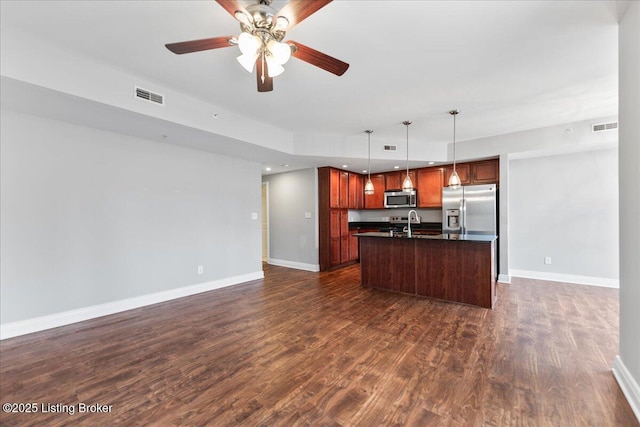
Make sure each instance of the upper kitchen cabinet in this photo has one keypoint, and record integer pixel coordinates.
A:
(393, 180)
(356, 192)
(376, 200)
(339, 185)
(481, 172)
(463, 173)
(485, 172)
(429, 187)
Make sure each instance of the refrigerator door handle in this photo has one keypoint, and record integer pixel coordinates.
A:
(463, 217)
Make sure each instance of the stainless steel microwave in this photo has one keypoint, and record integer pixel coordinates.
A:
(400, 199)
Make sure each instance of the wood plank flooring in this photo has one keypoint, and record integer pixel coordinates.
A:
(301, 348)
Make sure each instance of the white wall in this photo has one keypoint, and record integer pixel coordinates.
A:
(91, 218)
(627, 365)
(565, 207)
(293, 238)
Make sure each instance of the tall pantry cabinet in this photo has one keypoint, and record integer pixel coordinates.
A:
(338, 191)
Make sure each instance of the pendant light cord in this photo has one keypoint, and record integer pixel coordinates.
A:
(454, 141)
(369, 163)
(407, 123)
(408, 149)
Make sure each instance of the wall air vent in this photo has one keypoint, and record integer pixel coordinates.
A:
(390, 148)
(147, 95)
(604, 126)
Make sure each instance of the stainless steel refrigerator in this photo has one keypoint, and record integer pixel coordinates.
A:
(470, 209)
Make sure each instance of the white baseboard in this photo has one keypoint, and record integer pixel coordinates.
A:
(504, 278)
(628, 385)
(567, 278)
(294, 264)
(37, 324)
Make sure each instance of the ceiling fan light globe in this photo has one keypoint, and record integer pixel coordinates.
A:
(248, 43)
(281, 52)
(274, 69)
(248, 61)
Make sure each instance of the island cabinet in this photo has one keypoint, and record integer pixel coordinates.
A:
(456, 271)
(388, 264)
(375, 200)
(453, 269)
(338, 191)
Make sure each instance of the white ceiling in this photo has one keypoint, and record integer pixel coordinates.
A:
(507, 65)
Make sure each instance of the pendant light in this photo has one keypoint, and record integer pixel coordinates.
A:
(407, 185)
(454, 179)
(368, 187)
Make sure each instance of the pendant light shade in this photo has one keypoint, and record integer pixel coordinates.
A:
(454, 179)
(407, 185)
(368, 187)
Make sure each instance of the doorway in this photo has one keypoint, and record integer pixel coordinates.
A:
(265, 221)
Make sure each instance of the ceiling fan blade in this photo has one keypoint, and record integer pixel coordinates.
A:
(298, 10)
(319, 59)
(267, 84)
(231, 6)
(198, 45)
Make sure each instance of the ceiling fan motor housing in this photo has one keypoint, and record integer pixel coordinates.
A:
(263, 22)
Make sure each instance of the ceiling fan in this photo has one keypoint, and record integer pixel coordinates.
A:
(263, 29)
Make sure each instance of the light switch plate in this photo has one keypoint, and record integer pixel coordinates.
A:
(307, 215)
(254, 215)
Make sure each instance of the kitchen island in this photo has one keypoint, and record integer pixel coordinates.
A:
(451, 267)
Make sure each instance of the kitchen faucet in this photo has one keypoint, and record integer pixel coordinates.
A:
(409, 221)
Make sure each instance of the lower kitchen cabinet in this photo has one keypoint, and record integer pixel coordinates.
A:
(339, 248)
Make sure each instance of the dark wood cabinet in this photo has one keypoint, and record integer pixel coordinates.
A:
(375, 200)
(451, 270)
(356, 192)
(353, 246)
(485, 172)
(481, 172)
(334, 187)
(429, 187)
(338, 191)
(394, 180)
(339, 186)
(463, 173)
(344, 190)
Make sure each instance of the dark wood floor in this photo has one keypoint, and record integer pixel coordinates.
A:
(302, 348)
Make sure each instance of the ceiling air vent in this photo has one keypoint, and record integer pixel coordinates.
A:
(604, 126)
(389, 148)
(147, 95)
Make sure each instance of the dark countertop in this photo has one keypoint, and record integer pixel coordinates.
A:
(461, 237)
(386, 225)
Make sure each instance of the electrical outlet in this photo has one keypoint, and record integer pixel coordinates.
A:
(200, 269)
(547, 260)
